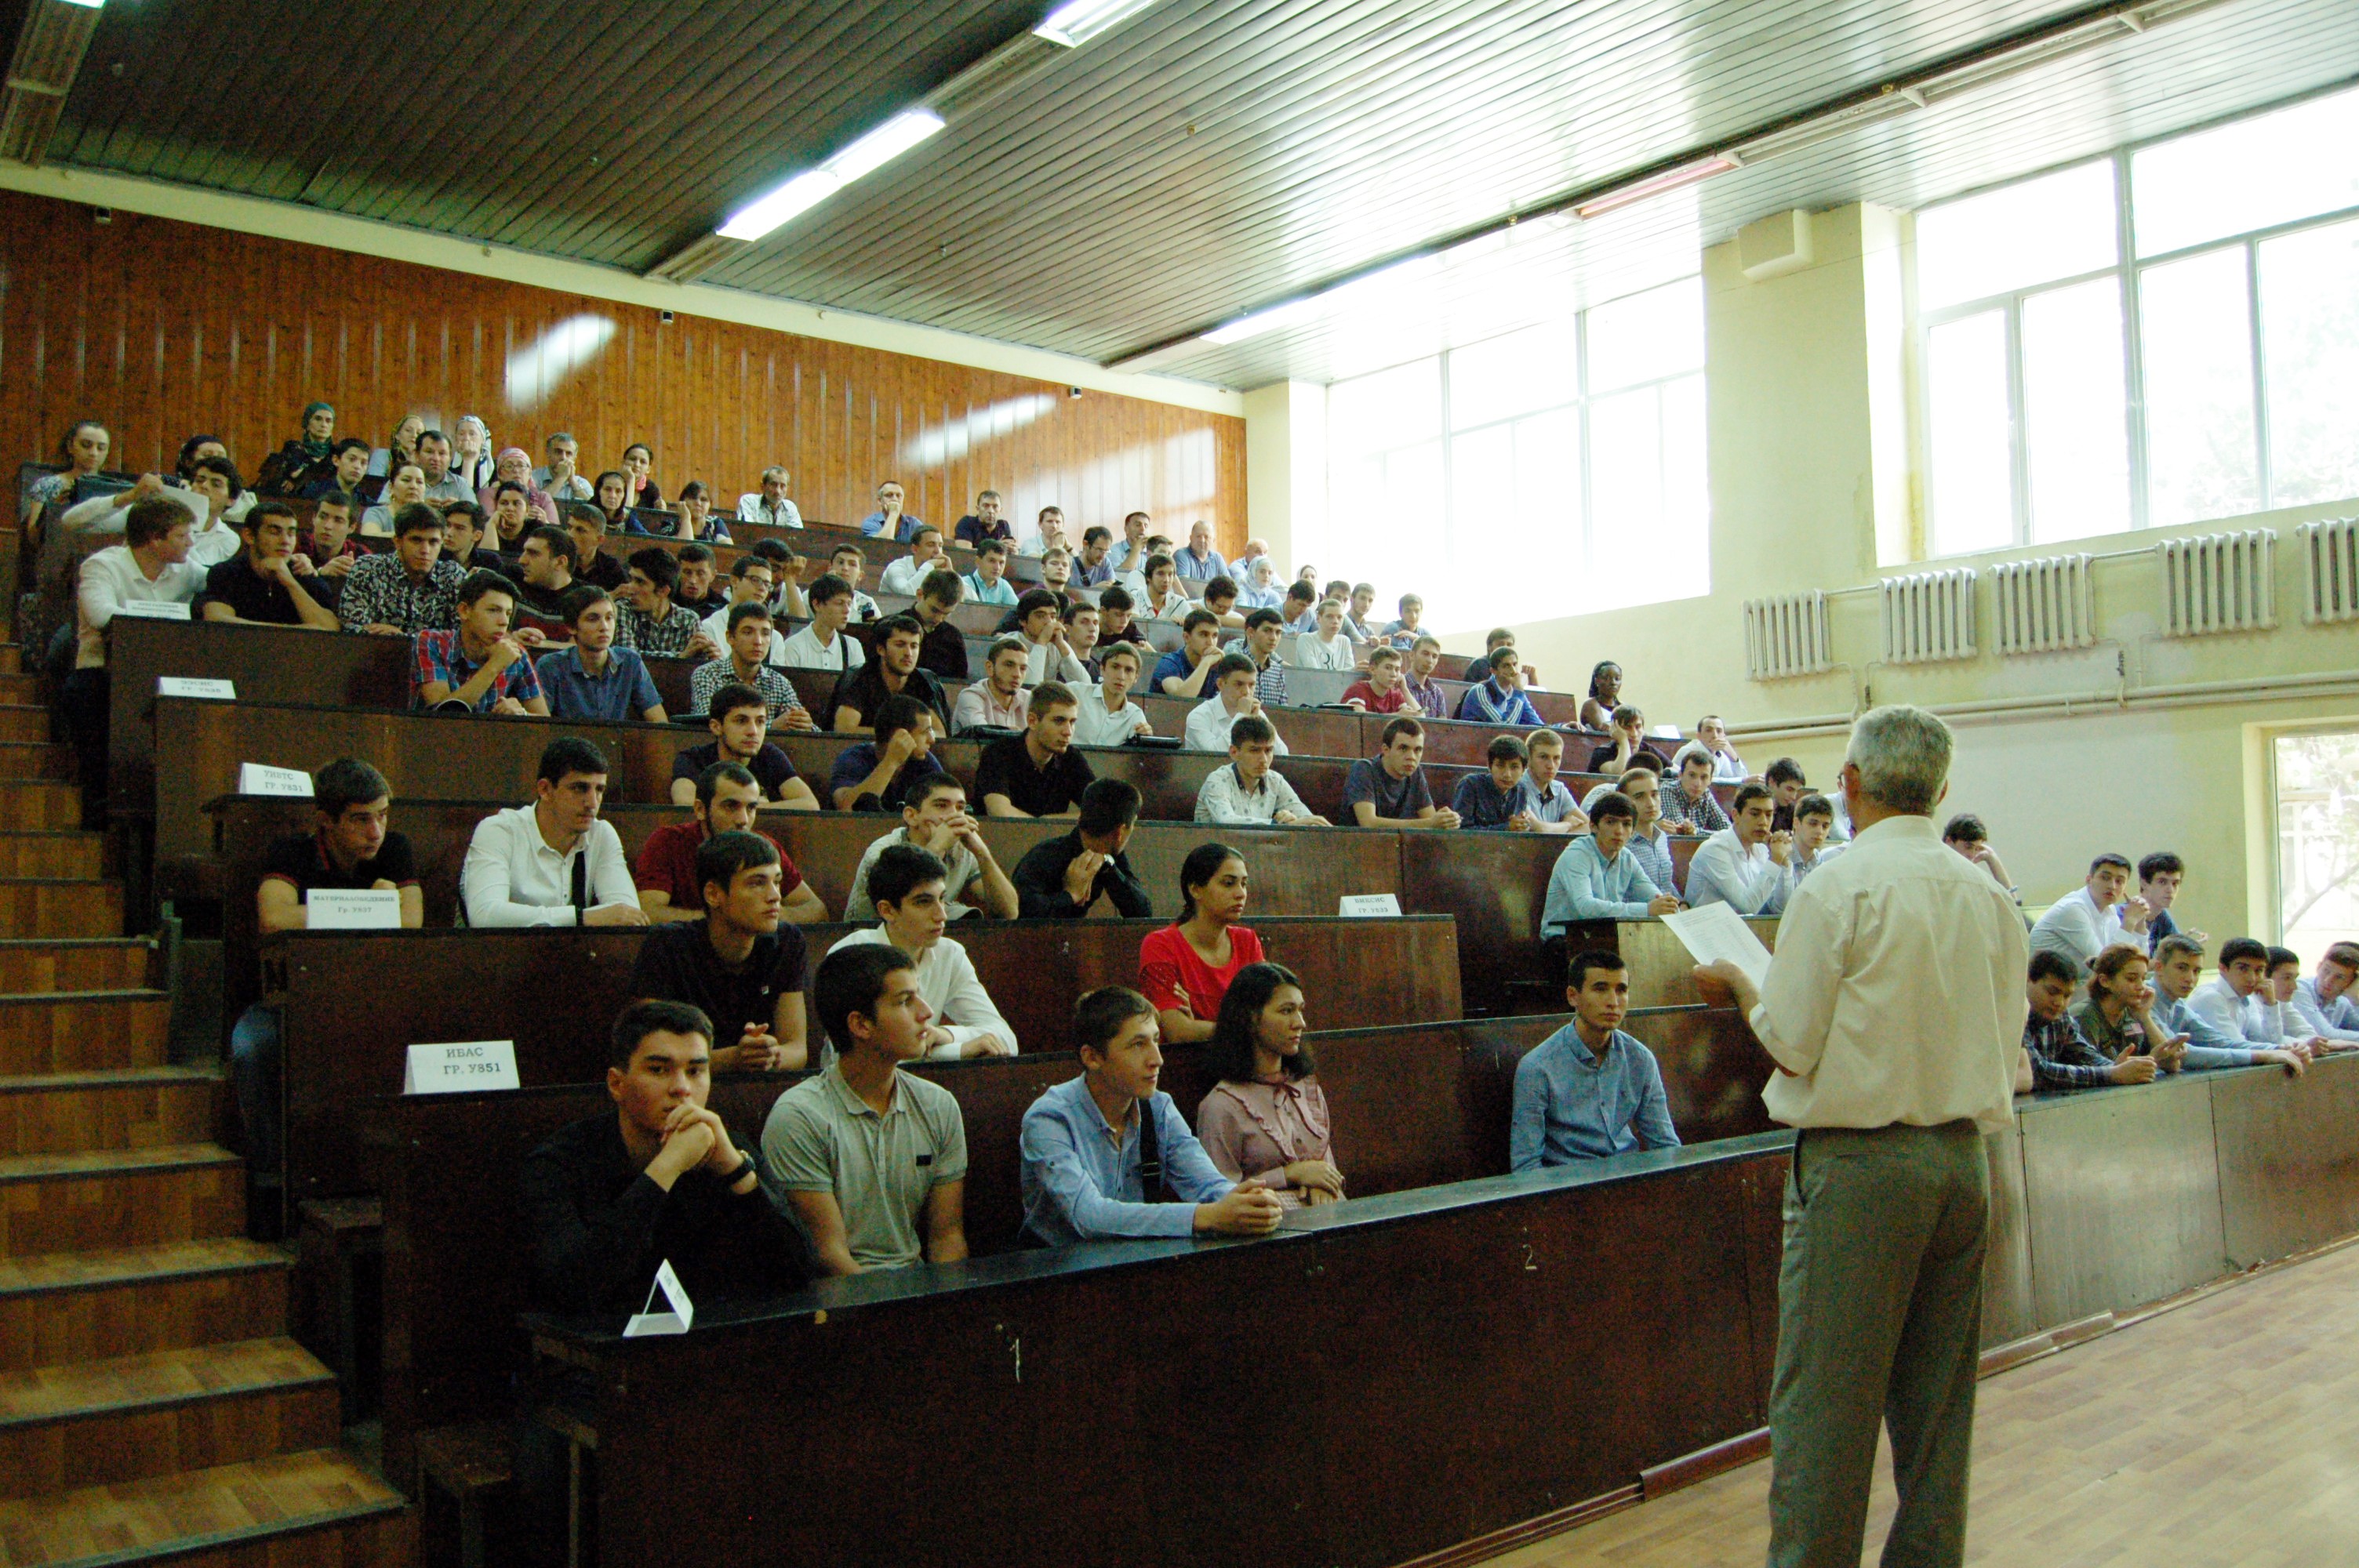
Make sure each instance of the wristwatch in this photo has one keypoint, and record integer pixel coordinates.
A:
(745, 1164)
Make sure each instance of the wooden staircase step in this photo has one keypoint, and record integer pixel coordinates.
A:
(42, 758)
(52, 853)
(12, 657)
(21, 721)
(65, 1031)
(60, 906)
(315, 1510)
(81, 1306)
(18, 687)
(29, 805)
(115, 1107)
(75, 963)
(119, 1197)
(187, 1409)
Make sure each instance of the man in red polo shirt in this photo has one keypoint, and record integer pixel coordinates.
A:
(728, 799)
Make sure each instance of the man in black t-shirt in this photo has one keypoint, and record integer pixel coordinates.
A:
(892, 670)
(1037, 774)
(740, 722)
(265, 584)
(349, 849)
(741, 964)
(658, 1179)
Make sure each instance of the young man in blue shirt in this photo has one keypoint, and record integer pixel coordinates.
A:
(1085, 1176)
(1597, 878)
(1501, 700)
(1493, 798)
(1589, 1091)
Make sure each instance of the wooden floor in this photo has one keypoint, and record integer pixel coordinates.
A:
(2224, 1433)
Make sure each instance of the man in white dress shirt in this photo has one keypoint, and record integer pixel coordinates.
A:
(1746, 865)
(909, 887)
(2323, 1000)
(2237, 1002)
(553, 862)
(769, 505)
(2083, 923)
(1893, 1010)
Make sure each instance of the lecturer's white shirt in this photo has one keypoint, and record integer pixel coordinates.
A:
(1895, 993)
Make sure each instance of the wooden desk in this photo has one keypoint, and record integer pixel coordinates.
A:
(1414, 1106)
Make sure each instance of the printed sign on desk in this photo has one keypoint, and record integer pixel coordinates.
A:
(189, 686)
(258, 778)
(154, 610)
(459, 1066)
(353, 909)
(1369, 906)
(679, 1311)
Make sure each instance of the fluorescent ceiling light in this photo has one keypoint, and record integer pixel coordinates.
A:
(813, 186)
(1702, 169)
(91, 5)
(1270, 320)
(1076, 24)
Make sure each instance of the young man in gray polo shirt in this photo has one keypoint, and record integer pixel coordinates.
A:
(856, 1155)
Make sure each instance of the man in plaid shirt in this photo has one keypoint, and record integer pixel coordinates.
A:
(646, 619)
(411, 591)
(478, 663)
(2061, 1055)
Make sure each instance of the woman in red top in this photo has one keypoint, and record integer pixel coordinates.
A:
(1185, 968)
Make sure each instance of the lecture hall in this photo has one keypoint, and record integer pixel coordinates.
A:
(1331, 784)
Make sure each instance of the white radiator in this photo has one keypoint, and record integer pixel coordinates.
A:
(2220, 582)
(2044, 606)
(1929, 617)
(2330, 569)
(1786, 636)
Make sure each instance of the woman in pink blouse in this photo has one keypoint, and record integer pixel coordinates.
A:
(1266, 1117)
(1185, 966)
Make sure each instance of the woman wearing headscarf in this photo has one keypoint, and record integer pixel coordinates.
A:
(305, 460)
(514, 464)
(471, 453)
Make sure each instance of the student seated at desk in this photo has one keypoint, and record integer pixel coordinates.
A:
(1815, 822)
(2178, 968)
(1746, 866)
(1597, 877)
(1263, 630)
(862, 1154)
(1418, 678)
(2117, 1014)
(650, 620)
(1219, 599)
(901, 577)
(1047, 653)
(1649, 845)
(1187, 670)
(552, 862)
(593, 679)
(409, 590)
(349, 849)
(875, 775)
(740, 722)
(697, 589)
(2093, 916)
(1549, 807)
(478, 666)
(1038, 772)
(934, 818)
(2062, 1057)
(1211, 721)
(988, 584)
(1105, 715)
(1627, 727)
(1102, 1150)
(1491, 798)
(752, 580)
(1063, 878)
(941, 650)
(894, 672)
(1382, 689)
(746, 664)
(1589, 1091)
(1966, 835)
(824, 644)
(546, 586)
(660, 1179)
(1500, 700)
(1185, 967)
(728, 800)
(1388, 790)
(1166, 599)
(740, 964)
(850, 563)
(1688, 800)
(997, 701)
(2240, 1001)
(908, 887)
(268, 582)
(1328, 648)
(2324, 1001)
(1266, 1118)
(1251, 790)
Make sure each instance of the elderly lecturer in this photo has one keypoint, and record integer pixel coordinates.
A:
(1892, 1009)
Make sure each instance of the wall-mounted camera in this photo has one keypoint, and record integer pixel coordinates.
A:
(1072, 391)
(666, 315)
(101, 214)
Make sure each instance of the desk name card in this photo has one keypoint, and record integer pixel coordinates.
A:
(259, 778)
(189, 686)
(460, 1067)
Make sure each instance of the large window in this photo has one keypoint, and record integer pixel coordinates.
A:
(1552, 471)
(2317, 839)
(2162, 335)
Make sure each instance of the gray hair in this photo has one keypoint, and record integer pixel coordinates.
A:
(774, 469)
(1902, 754)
